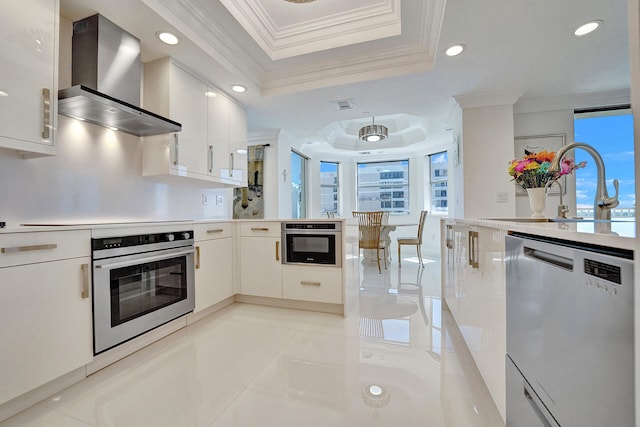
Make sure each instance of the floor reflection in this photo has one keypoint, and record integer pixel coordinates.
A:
(395, 360)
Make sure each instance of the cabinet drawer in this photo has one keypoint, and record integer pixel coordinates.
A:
(260, 229)
(319, 284)
(42, 246)
(212, 230)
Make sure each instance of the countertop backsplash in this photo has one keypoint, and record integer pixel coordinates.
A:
(97, 177)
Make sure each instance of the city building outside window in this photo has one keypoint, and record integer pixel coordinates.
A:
(438, 182)
(329, 187)
(383, 186)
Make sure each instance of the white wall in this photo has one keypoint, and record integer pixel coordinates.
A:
(486, 149)
(546, 123)
(97, 176)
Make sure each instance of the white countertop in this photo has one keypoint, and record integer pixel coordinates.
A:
(622, 234)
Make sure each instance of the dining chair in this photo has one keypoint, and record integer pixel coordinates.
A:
(414, 241)
(369, 226)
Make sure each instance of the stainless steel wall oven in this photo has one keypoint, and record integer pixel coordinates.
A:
(312, 243)
(140, 282)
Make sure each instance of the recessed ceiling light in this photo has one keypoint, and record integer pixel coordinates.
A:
(112, 127)
(454, 50)
(210, 94)
(241, 151)
(587, 28)
(238, 88)
(3, 93)
(167, 37)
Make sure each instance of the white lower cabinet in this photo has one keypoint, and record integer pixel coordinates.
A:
(474, 291)
(309, 283)
(260, 264)
(214, 260)
(45, 310)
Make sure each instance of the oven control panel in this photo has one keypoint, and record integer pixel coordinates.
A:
(139, 239)
(311, 226)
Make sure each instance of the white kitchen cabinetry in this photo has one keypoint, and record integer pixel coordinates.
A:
(28, 75)
(474, 291)
(227, 137)
(213, 141)
(310, 283)
(171, 91)
(260, 264)
(45, 310)
(214, 258)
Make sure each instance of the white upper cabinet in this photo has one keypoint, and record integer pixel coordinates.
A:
(212, 144)
(171, 91)
(28, 75)
(227, 136)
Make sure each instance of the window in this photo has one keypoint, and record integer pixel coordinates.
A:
(439, 167)
(329, 186)
(610, 132)
(298, 185)
(383, 186)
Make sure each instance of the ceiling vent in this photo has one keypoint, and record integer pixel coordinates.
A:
(344, 104)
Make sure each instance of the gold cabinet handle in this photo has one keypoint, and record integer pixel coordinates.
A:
(215, 230)
(307, 283)
(473, 249)
(85, 281)
(278, 250)
(259, 229)
(28, 248)
(46, 109)
(197, 257)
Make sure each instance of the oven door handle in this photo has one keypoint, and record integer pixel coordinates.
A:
(166, 255)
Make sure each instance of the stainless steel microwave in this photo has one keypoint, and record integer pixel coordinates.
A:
(317, 243)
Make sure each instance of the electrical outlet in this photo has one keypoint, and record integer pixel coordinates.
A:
(205, 199)
(502, 197)
(219, 200)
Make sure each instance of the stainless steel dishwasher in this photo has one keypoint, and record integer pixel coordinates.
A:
(570, 359)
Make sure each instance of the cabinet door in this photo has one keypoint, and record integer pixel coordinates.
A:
(306, 283)
(45, 323)
(28, 41)
(218, 132)
(238, 143)
(260, 272)
(214, 277)
(189, 107)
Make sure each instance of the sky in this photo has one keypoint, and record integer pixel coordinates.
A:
(612, 137)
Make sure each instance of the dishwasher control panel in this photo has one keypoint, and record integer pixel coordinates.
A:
(604, 271)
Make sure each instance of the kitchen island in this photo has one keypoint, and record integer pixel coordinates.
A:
(474, 281)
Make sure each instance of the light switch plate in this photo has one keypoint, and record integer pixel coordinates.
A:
(502, 197)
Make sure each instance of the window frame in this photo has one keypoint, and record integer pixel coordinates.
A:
(336, 186)
(434, 181)
(387, 189)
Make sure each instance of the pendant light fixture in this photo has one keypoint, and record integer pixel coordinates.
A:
(373, 132)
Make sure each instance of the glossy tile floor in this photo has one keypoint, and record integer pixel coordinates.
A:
(391, 362)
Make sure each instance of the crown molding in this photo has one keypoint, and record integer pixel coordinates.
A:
(489, 99)
(372, 22)
(572, 102)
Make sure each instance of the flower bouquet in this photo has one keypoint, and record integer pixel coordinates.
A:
(532, 171)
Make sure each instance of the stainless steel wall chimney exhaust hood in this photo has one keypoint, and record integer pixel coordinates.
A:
(106, 72)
